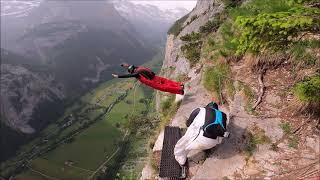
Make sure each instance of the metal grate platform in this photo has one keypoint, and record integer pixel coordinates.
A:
(169, 167)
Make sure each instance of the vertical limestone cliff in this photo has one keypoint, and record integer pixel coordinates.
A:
(269, 139)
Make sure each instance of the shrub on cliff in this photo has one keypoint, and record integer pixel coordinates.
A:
(192, 49)
(192, 52)
(276, 30)
(192, 37)
(177, 27)
(308, 90)
(273, 24)
(211, 26)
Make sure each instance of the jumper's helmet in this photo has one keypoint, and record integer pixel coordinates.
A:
(213, 105)
(131, 68)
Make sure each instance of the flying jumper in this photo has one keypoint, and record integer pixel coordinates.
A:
(147, 77)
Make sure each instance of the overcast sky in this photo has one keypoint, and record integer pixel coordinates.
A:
(169, 4)
(20, 7)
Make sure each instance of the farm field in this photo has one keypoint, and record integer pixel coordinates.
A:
(90, 134)
(84, 153)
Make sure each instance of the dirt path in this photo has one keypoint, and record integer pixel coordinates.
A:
(42, 174)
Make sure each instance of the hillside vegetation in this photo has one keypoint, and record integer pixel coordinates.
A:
(260, 61)
(273, 31)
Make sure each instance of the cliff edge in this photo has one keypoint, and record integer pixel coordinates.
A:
(274, 132)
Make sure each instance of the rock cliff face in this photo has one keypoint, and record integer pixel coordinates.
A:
(26, 90)
(272, 158)
(175, 64)
(203, 12)
(22, 91)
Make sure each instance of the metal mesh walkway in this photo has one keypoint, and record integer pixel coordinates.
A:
(169, 167)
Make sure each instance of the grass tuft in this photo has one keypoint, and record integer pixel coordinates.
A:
(308, 90)
(216, 79)
(286, 127)
(168, 110)
(255, 137)
(293, 140)
(302, 54)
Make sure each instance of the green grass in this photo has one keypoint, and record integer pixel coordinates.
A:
(251, 145)
(308, 90)
(121, 109)
(138, 153)
(225, 178)
(89, 149)
(100, 136)
(221, 43)
(30, 176)
(168, 110)
(301, 52)
(96, 142)
(258, 6)
(167, 103)
(286, 127)
(58, 170)
(293, 140)
(254, 138)
(231, 90)
(249, 94)
(216, 79)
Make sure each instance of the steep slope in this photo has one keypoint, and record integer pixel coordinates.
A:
(271, 135)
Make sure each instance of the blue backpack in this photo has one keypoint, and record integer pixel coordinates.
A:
(218, 120)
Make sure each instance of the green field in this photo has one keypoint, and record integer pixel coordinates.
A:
(92, 136)
(93, 146)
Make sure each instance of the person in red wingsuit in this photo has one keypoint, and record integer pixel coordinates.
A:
(147, 77)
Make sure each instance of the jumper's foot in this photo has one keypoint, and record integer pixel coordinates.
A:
(179, 98)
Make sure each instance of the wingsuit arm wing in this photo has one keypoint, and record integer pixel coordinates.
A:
(129, 75)
(192, 116)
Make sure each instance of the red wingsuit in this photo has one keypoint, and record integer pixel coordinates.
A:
(147, 77)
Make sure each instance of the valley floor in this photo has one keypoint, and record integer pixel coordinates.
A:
(87, 139)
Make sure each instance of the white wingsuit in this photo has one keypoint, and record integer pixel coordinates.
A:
(194, 139)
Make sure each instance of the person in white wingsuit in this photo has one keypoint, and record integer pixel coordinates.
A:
(207, 126)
